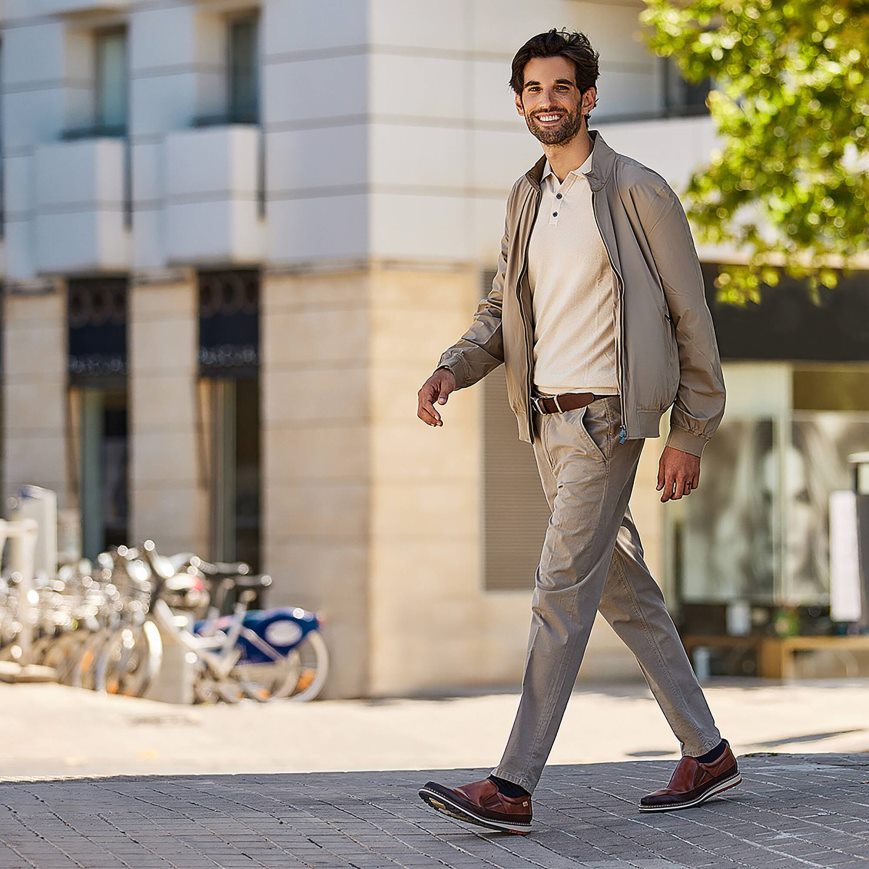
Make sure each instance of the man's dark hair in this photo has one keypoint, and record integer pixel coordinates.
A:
(558, 43)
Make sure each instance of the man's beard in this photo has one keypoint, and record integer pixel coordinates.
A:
(570, 125)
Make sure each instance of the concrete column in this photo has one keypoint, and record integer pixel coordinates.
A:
(168, 470)
(35, 396)
(316, 471)
(432, 624)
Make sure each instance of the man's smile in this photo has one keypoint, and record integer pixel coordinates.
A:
(549, 117)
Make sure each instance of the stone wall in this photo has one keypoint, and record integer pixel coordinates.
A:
(35, 407)
(168, 438)
(316, 472)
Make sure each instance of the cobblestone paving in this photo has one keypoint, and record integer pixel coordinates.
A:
(792, 810)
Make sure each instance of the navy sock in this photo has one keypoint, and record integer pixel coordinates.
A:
(714, 754)
(508, 788)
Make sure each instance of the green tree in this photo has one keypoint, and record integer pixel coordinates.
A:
(790, 104)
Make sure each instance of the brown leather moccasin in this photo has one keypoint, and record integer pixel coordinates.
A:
(693, 783)
(480, 803)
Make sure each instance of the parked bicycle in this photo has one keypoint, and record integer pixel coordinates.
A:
(102, 626)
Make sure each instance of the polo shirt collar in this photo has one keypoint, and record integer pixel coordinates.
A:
(582, 170)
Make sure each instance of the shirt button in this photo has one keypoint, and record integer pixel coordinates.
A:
(558, 196)
(555, 214)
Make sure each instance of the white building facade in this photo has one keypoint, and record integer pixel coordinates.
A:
(237, 236)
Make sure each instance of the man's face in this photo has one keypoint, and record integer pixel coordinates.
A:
(551, 102)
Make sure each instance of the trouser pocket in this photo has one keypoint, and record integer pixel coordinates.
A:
(595, 423)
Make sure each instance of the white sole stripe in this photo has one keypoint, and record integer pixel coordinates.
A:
(728, 783)
(468, 817)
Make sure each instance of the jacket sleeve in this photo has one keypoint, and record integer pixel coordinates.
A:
(699, 404)
(481, 348)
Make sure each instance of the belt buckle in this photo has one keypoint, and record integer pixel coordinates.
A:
(535, 403)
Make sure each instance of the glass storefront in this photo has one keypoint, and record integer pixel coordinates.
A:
(757, 529)
(749, 552)
(98, 405)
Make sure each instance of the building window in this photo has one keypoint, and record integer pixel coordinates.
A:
(2, 169)
(110, 49)
(242, 66)
(682, 98)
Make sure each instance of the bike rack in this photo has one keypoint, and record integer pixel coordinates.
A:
(21, 536)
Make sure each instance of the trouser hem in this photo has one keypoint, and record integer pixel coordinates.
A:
(516, 778)
(702, 747)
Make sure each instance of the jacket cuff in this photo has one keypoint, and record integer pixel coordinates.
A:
(684, 440)
(456, 367)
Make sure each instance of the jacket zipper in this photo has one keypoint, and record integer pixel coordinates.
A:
(529, 336)
(623, 431)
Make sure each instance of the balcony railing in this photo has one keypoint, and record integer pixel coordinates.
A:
(110, 131)
(247, 117)
(213, 194)
(81, 188)
(225, 119)
(95, 131)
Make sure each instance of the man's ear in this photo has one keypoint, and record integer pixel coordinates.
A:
(517, 98)
(589, 98)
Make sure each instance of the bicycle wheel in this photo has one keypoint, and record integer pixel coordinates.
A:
(129, 660)
(82, 674)
(300, 676)
(268, 681)
(314, 660)
(207, 690)
(62, 654)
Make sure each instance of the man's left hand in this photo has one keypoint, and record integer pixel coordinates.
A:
(678, 474)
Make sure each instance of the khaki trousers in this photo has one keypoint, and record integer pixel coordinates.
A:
(592, 560)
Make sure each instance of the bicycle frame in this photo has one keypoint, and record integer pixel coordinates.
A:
(219, 653)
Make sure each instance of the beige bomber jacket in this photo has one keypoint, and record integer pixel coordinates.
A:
(666, 351)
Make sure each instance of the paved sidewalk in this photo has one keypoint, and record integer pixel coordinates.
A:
(792, 810)
(602, 724)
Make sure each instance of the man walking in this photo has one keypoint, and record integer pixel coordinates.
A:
(598, 312)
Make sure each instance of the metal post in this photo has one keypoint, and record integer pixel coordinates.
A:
(21, 535)
(860, 462)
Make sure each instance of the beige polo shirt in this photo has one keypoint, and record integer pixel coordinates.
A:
(573, 286)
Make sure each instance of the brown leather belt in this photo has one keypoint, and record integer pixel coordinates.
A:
(562, 402)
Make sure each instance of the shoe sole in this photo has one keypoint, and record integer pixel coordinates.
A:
(725, 785)
(454, 810)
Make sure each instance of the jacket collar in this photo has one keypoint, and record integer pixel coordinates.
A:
(601, 165)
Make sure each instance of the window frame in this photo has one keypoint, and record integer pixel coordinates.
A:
(235, 112)
(100, 122)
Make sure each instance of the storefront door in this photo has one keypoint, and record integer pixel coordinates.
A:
(229, 371)
(235, 472)
(98, 429)
(103, 487)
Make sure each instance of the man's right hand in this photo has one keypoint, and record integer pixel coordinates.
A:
(435, 390)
